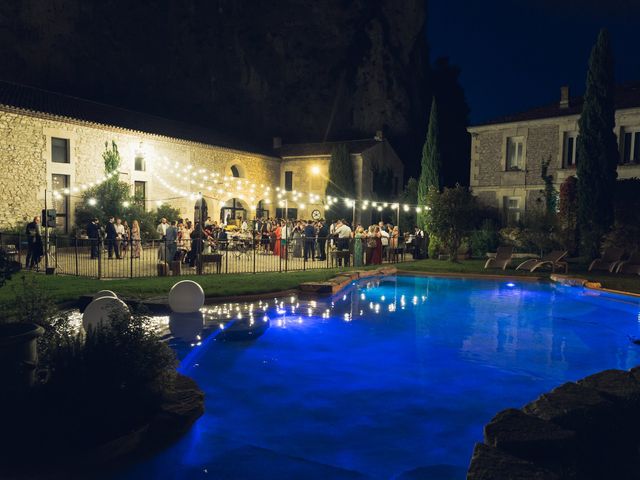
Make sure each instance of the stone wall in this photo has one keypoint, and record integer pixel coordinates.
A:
(544, 140)
(25, 153)
(583, 430)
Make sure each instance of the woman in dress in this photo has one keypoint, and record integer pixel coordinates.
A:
(370, 243)
(393, 240)
(277, 237)
(376, 254)
(359, 237)
(297, 239)
(125, 238)
(135, 239)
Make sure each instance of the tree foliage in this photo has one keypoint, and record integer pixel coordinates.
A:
(450, 216)
(341, 182)
(597, 150)
(453, 119)
(113, 198)
(567, 213)
(431, 166)
(550, 193)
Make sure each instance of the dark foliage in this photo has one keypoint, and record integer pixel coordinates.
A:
(453, 117)
(7, 267)
(567, 214)
(431, 165)
(597, 150)
(341, 182)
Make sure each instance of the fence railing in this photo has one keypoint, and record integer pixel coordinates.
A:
(135, 258)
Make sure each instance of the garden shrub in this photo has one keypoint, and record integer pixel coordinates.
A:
(484, 240)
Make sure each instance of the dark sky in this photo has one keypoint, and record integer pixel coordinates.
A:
(515, 54)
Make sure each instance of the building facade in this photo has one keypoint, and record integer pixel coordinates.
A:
(51, 149)
(507, 154)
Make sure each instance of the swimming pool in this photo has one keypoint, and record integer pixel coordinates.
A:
(393, 374)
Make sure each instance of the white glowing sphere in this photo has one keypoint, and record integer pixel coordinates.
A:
(186, 296)
(186, 326)
(104, 293)
(100, 311)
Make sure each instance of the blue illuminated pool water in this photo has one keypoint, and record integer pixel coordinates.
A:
(399, 373)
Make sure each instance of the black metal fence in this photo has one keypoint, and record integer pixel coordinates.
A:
(132, 258)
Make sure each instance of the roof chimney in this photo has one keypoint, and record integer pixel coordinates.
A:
(277, 142)
(564, 96)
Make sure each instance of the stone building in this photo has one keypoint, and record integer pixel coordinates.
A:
(507, 154)
(51, 148)
(305, 167)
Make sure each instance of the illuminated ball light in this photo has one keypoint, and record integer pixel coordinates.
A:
(186, 296)
(105, 293)
(101, 310)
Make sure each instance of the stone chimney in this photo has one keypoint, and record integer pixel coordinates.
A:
(277, 142)
(564, 96)
(379, 136)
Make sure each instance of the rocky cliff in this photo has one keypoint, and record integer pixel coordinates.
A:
(301, 69)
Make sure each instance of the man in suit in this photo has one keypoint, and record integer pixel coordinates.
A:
(309, 240)
(112, 234)
(34, 243)
(323, 233)
(171, 238)
(93, 232)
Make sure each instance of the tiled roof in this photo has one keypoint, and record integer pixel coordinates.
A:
(626, 96)
(324, 148)
(60, 105)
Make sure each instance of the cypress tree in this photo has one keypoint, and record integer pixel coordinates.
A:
(431, 165)
(341, 182)
(597, 150)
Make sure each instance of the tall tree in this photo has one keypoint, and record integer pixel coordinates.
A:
(431, 166)
(597, 150)
(341, 182)
(453, 119)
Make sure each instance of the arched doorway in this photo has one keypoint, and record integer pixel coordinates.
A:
(262, 210)
(233, 211)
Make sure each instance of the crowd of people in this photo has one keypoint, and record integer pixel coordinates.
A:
(310, 240)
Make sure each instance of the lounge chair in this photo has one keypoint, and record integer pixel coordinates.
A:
(609, 260)
(632, 265)
(553, 259)
(502, 258)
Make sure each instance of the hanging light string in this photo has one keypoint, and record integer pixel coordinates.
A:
(218, 186)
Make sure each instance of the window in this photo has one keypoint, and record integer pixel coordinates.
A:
(60, 150)
(569, 150)
(512, 210)
(140, 192)
(235, 171)
(288, 181)
(631, 147)
(139, 164)
(61, 202)
(515, 149)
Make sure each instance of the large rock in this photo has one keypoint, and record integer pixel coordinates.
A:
(489, 463)
(574, 407)
(529, 437)
(618, 386)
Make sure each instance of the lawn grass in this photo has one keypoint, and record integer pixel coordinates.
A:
(67, 288)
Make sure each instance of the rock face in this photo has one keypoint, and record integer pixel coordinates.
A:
(583, 430)
(301, 70)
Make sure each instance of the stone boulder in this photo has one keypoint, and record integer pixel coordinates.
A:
(490, 463)
(529, 437)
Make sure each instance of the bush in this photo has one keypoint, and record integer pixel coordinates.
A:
(102, 385)
(484, 240)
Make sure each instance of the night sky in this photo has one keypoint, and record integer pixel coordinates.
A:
(515, 54)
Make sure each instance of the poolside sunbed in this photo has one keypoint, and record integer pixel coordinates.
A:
(553, 259)
(632, 265)
(609, 260)
(502, 259)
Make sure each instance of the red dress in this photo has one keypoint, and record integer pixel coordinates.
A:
(376, 255)
(276, 246)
